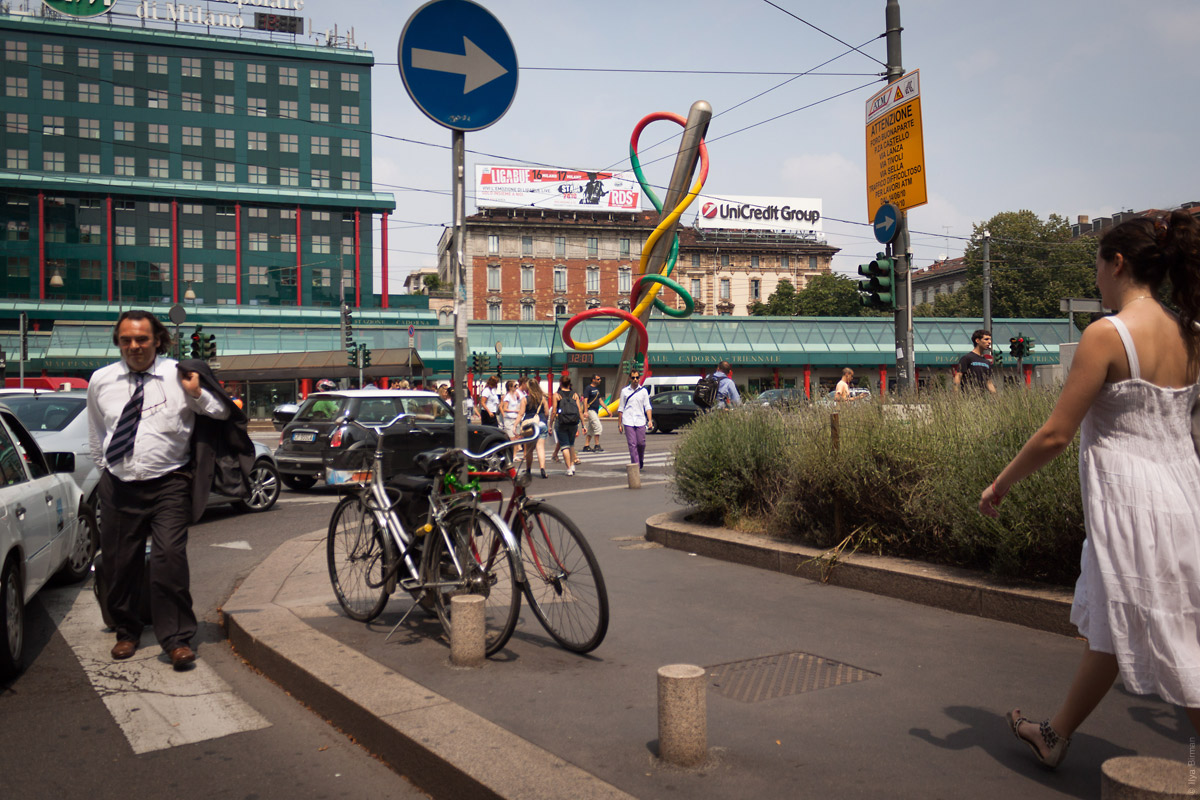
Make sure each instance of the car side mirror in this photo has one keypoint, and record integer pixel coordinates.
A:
(61, 462)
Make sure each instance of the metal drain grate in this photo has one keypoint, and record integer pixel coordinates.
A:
(781, 675)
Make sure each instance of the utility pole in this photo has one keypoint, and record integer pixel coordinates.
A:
(987, 281)
(906, 366)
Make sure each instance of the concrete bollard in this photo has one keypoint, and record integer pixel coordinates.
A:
(635, 476)
(467, 646)
(1143, 778)
(682, 714)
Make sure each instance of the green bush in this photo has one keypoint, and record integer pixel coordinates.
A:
(905, 480)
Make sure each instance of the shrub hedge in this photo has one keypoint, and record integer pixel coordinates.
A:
(905, 480)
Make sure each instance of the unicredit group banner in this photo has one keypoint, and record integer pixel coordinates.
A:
(556, 189)
(760, 213)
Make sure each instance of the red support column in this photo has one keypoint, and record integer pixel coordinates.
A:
(775, 374)
(383, 233)
(174, 251)
(299, 270)
(108, 240)
(808, 381)
(1028, 375)
(237, 249)
(357, 263)
(882, 380)
(41, 245)
(305, 387)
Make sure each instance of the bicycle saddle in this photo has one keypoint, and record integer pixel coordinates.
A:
(431, 462)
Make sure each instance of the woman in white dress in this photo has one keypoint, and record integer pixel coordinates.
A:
(1132, 385)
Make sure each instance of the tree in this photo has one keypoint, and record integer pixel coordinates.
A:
(1035, 264)
(781, 303)
(826, 295)
(432, 283)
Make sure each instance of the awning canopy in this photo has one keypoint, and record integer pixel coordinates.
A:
(395, 362)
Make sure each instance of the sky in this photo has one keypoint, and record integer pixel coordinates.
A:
(1056, 106)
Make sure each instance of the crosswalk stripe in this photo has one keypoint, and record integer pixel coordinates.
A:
(154, 706)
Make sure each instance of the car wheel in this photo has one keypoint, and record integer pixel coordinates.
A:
(264, 487)
(83, 549)
(299, 482)
(665, 430)
(12, 620)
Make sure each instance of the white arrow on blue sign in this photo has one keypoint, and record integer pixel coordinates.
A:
(887, 223)
(458, 64)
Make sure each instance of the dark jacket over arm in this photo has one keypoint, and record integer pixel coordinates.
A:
(222, 452)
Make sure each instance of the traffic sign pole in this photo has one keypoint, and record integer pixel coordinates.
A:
(906, 366)
(460, 290)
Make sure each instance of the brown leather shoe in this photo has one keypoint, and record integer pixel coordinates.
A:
(124, 649)
(182, 657)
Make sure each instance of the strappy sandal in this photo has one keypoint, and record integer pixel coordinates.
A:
(1055, 745)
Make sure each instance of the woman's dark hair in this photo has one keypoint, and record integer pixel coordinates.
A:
(491, 381)
(535, 391)
(1158, 250)
(162, 337)
(565, 383)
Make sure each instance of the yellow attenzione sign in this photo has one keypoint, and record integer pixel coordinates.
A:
(896, 146)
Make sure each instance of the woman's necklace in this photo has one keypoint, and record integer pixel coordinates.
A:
(1135, 299)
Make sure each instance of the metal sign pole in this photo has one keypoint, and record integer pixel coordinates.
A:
(458, 145)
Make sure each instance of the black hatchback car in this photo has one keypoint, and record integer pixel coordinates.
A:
(313, 441)
(673, 410)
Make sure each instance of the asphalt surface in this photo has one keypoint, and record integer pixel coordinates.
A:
(918, 709)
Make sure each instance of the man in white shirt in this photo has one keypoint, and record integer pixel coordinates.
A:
(141, 413)
(634, 415)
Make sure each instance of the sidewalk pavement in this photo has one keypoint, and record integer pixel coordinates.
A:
(815, 689)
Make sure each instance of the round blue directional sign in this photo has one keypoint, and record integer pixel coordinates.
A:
(458, 64)
(887, 223)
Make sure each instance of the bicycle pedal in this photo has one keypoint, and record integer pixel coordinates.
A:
(408, 584)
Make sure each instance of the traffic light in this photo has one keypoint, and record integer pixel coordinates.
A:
(1019, 346)
(347, 327)
(366, 356)
(210, 347)
(485, 364)
(475, 363)
(881, 277)
(197, 343)
(352, 355)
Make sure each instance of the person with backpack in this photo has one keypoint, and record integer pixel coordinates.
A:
(565, 414)
(717, 390)
(634, 415)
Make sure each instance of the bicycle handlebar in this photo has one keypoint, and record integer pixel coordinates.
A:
(536, 424)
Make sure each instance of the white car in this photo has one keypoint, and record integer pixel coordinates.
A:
(46, 529)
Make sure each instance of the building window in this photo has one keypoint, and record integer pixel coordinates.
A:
(190, 67)
(494, 309)
(156, 65)
(785, 262)
(526, 245)
(753, 262)
(287, 242)
(160, 271)
(256, 73)
(319, 216)
(560, 280)
(493, 244)
(256, 213)
(318, 79)
(191, 208)
(226, 273)
(349, 82)
(226, 240)
(89, 233)
(18, 230)
(724, 261)
(226, 173)
(258, 275)
(52, 90)
(122, 131)
(89, 163)
(560, 247)
(319, 112)
(593, 279)
(16, 87)
(191, 101)
(320, 179)
(755, 289)
(123, 95)
(53, 126)
(258, 242)
(350, 180)
(812, 262)
(624, 280)
(54, 162)
(156, 98)
(19, 123)
(256, 174)
(256, 140)
(623, 247)
(287, 76)
(223, 104)
(527, 278)
(89, 269)
(193, 239)
(123, 61)
(89, 128)
(89, 93)
(159, 168)
(593, 247)
(321, 277)
(289, 176)
(696, 289)
(192, 137)
(256, 107)
(289, 143)
(223, 70)
(223, 137)
(320, 243)
(126, 234)
(527, 311)
(349, 115)
(159, 134)
(193, 171)
(724, 288)
(124, 165)
(493, 277)
(160, 237)
(16, 51)
(52, 54)
(89, 58)
(560, 309)
(350, 148)
(158, 208)
(193, 272)
(696, 260)
(320, 145)
(289, 109)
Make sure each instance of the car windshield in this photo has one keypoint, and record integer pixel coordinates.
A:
(45, 412)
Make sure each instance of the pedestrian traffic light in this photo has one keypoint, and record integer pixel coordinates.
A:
(878, 289)
(347, 327)
(210, 347)
(197, 343)
(366, 356)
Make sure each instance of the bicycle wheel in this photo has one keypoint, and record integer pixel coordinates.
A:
(485, 566)
(562, 578)
(359, 554)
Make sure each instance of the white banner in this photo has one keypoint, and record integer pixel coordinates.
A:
(760, 213)
(556, 189)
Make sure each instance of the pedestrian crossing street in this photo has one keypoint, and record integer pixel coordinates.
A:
(614, 459)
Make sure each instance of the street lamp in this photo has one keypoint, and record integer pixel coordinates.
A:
(56, 280)
(189, 294)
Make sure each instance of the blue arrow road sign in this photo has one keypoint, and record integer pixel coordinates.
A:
(458, 64)
(887, 223)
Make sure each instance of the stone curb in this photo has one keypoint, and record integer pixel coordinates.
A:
(440, 746)
(959, 590)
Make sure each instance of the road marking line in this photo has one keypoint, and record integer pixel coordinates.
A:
(235, 545)
(155, 706)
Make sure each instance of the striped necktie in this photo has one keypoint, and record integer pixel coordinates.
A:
(121, 443)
